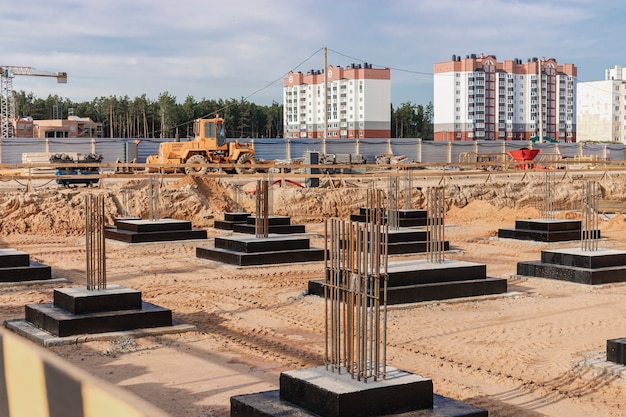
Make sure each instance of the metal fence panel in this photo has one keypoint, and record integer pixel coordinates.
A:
(12, 149)
(569, 150)
(55, 146)
(339, 146)
(615, 152)
(300, 146)
(270, 149)
(371, 148)
(407, 147)
(459, 149)
(434, 152)
(112, 149)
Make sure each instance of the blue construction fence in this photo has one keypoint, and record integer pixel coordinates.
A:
(415, 150)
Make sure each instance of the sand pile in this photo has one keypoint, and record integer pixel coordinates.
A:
(202, 200)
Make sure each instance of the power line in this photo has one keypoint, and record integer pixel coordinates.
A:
(381, 66)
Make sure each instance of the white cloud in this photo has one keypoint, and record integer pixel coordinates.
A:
(230, 49)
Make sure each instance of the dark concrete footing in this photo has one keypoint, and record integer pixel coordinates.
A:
(596, 267)
(276, 225)
(319, 392)
(406, 217)
(409, 240)
(142, 231)
(80, 311)
(231, 219)
(274, 249)
(616, 351)
(16, 266)
(546, 230)
(416, 281)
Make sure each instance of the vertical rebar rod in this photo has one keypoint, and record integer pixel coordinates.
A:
(393, 196)
(270, 194)
(95, 242)
(547, 204)
(589, 229)
(154, 208)
(125, 193)
(435, 225)
(262, 221)
(408, 189)
(355, 293)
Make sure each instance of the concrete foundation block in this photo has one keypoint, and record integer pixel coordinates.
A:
(79, 300)
(616, 351)
(317, 392)
(62, 323)
(331, 394)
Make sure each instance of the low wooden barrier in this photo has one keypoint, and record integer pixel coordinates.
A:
(35, 383)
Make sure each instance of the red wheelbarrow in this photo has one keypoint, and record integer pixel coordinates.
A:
(524, 158)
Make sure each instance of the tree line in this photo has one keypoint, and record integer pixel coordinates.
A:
(165, 117)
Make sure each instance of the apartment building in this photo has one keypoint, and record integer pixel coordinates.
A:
(355, 104)
(481, 98)
(601, 108)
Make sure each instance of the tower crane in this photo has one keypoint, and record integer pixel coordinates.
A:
(7, 100)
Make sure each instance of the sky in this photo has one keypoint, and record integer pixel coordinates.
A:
(242, 49)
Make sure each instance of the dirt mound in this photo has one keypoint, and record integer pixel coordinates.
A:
(482, 211)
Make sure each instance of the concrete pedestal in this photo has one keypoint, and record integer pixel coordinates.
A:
(16, 266)
(416, 281)
(274, 249)
(231, 219)
(318, 392)
(277, 225)
(546, 230)
(601, 266)
(141, 231)
(408, 240)
(79, 311)
(616, 351)
(406, 217)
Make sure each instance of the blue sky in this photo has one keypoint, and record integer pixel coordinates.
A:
(243, 48)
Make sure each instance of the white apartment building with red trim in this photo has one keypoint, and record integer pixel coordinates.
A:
(357, 103)
(481, 98)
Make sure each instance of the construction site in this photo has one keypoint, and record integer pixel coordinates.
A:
(237, 325)
(214, 277)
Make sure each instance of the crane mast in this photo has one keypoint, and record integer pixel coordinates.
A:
(7, 100)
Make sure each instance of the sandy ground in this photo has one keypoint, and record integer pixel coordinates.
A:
(522, 354)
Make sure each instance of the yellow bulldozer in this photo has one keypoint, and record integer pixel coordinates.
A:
(208, 146)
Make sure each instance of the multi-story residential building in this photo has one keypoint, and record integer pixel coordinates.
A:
(481, 98)
(601, 108)
(356, 103)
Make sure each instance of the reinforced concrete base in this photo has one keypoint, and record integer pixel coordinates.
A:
(318, 392)
(417, 281)
(597, 267)
(276, 224)
(142, 231)
(406, 217)
(616, 350)
(16, 266)
(77, 311)
(231, 219)
(546, 230)
(407, 240)
(247, 251)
